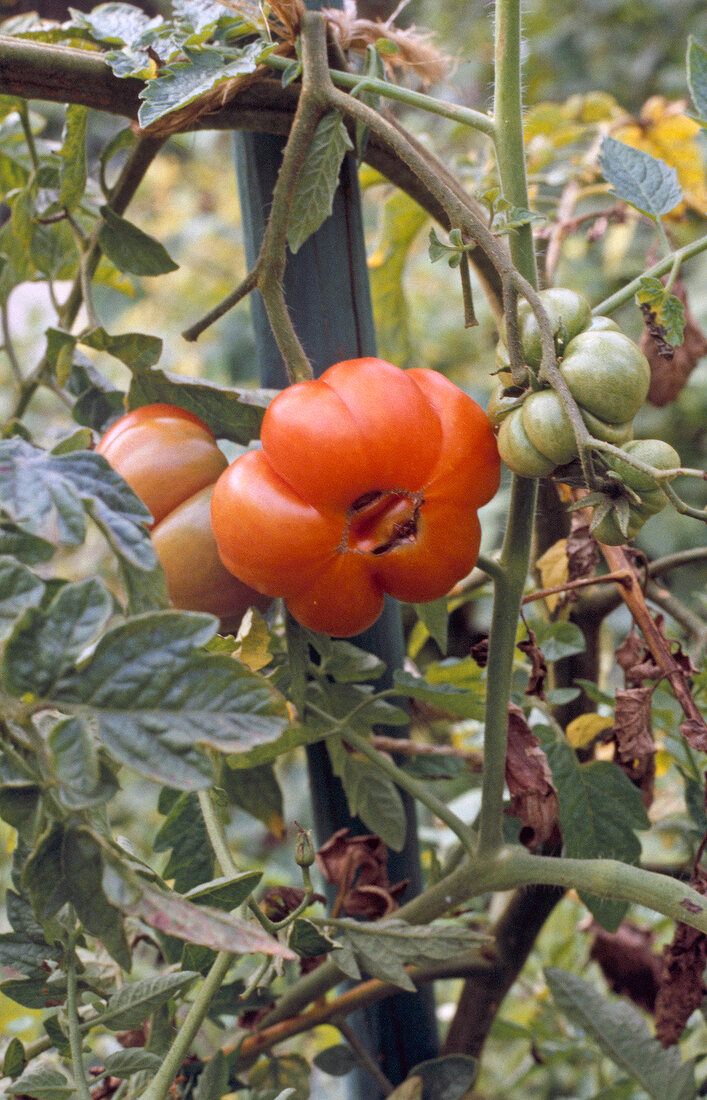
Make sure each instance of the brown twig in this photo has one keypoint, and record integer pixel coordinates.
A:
(619, 577)
(413, 748)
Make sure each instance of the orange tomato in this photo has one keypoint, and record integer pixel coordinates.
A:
(171, 460)
(368, 483)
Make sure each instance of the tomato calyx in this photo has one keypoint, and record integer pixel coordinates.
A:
(381, 520)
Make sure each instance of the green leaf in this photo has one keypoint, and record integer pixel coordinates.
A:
(599, 810)
(306, 939)
(447, 1078)
(33, 992)
(134, 1001)
(558, 640)
(465, 703)
(697, 75)
(344, 662)
(20, 589)
(640, 179)
(258, 793)
(435, 616)
(137, 350)
(191, 860)
(213, 1080)
(383, 947)
(313, 197)
(14, 1059)
(82, 862)
(154, 699)
(130, 249)
(180, 83)
(123, 1063)
(73, 156)
(81, 779)
(337, 1061)
(370, 795)
(43, 874)
(48, 495)
(292, 738)
(231, 414)
(226, 892)
(43, 1083)
(115, 23)
(21, 917)
(26, 548)
(402, 221)
(622, 1034)
(47, 642)
(24, 955)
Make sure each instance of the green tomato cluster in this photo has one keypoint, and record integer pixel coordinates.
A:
(608, 376)
(606, 373)
(654, 452)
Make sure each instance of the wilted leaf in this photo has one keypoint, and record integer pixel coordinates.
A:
(180, 83)
(533, 796)
(681, 988)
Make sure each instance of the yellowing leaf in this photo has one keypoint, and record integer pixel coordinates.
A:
(253, 638)
(665, 131)
(402, 221)
(553, 566)
(585, 729)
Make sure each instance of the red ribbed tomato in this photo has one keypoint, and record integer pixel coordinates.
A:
(171, 460)
(368, 483)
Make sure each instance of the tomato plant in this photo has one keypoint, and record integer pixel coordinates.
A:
(368, 483)
(171, 461)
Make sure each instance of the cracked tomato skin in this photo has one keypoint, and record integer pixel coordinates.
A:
(368, 483)
(170, 459)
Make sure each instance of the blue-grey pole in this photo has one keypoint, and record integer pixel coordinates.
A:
(328, 295)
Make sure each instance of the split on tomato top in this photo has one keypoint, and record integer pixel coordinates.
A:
(368, 482)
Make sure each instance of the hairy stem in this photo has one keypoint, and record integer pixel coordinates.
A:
(73, 1018)
(666, 264)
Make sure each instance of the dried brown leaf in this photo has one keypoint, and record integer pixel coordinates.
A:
(630, 966)
(681, 986)
(582, 551)
(533, 796)
(670, 374)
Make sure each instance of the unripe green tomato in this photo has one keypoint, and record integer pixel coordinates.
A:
(602, 324)
(500, 404)
(618, 434)
(569, 314)
(609, 532)
(607, 375)
(548, 427)
(654, 452)
(652, 502)
(504, 374)
(518, 452)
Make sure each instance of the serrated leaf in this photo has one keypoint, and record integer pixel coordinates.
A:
(130, 249)
(231, 414)
(191, 859)
(123, 1063)
(115, 23)
(640, 179)
(226, 892)
(73, 156)
(448, 1078)
(697, 75)
(558, 640)
(155, 699)
(313, 197)
(370, 795)
(134, 1001)
(81, 779)
(307, 940)
(180, 83)
(48, 496)
(20, 589)
(43, 1083)
(383, 947)
(599, 810)
(46, 643)
(465, 703)
(136, 349)
(622, 1034)
(82, 864)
